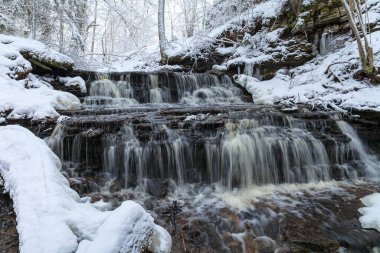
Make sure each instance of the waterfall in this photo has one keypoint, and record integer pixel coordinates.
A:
(325, 43)
(356, 151)
(155, 93)
(270, 149)
(110, 94)
(159, 88)
(236, 168)
(272, 155)
(248, 69)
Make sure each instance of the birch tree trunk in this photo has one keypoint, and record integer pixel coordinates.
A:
(34, 28)
(161, 31)
(94, 27)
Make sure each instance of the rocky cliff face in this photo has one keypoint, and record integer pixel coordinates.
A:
(290, 39)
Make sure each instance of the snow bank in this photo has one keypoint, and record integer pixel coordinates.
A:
(371, 213)
(310, 84)
(23, 95)
(74, 81)
(38, 49)
(51, 217)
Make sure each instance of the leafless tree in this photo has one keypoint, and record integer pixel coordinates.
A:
(355, 17)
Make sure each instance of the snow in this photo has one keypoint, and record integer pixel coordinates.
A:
(374, 12)
(371, 213)
(74, 81)
(24, 95)
(265, 11)
(309, 84)
(51, 218)
(219, 68)
(37, 48)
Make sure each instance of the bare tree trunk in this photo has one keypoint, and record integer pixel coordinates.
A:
(94, 27)
(34, 20)
(352, 8)
(161, 30)
(61, 35)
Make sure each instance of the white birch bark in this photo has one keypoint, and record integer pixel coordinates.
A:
(161, 30)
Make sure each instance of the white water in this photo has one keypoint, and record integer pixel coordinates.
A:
(186, 89)
(355, 148)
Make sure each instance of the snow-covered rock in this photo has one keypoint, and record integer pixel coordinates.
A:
(371, 213)
(74, 81)
(24, 95)
(313, 84)
(51, 218)
(37, 51)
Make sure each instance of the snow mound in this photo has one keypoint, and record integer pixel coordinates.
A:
(51, 217)
(23, 95)
(74, 81)
(371, 213)
(38, 49)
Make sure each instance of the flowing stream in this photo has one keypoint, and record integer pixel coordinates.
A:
(246, 177)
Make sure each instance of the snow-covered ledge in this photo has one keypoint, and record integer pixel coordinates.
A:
(51, 217)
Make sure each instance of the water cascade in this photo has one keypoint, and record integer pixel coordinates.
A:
(268, 149)
(325, 43)
(192, 89)
(192, 137)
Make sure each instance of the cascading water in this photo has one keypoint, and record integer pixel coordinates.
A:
(240, 170)
(267, 150)
(155, 88)
(325, 43)
(107, 93)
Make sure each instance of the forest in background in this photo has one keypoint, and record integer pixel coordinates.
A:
(101, 31)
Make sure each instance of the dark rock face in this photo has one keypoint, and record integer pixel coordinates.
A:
(73, 89)
(300, 39)
(317, 16)
(297, 53)
(368, 128)
(8, 234)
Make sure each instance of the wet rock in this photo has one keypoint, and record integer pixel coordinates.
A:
(234, 245)
(116, 185)
(367, 125)
(9, 240)
(157, 188)
(265, 244)
(57, 85)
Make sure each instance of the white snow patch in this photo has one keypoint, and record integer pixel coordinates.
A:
(74, 81)
(219, 68)
(371, 213)
(29, 97)
(51, 217)
(38, 49)
(309, 84)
